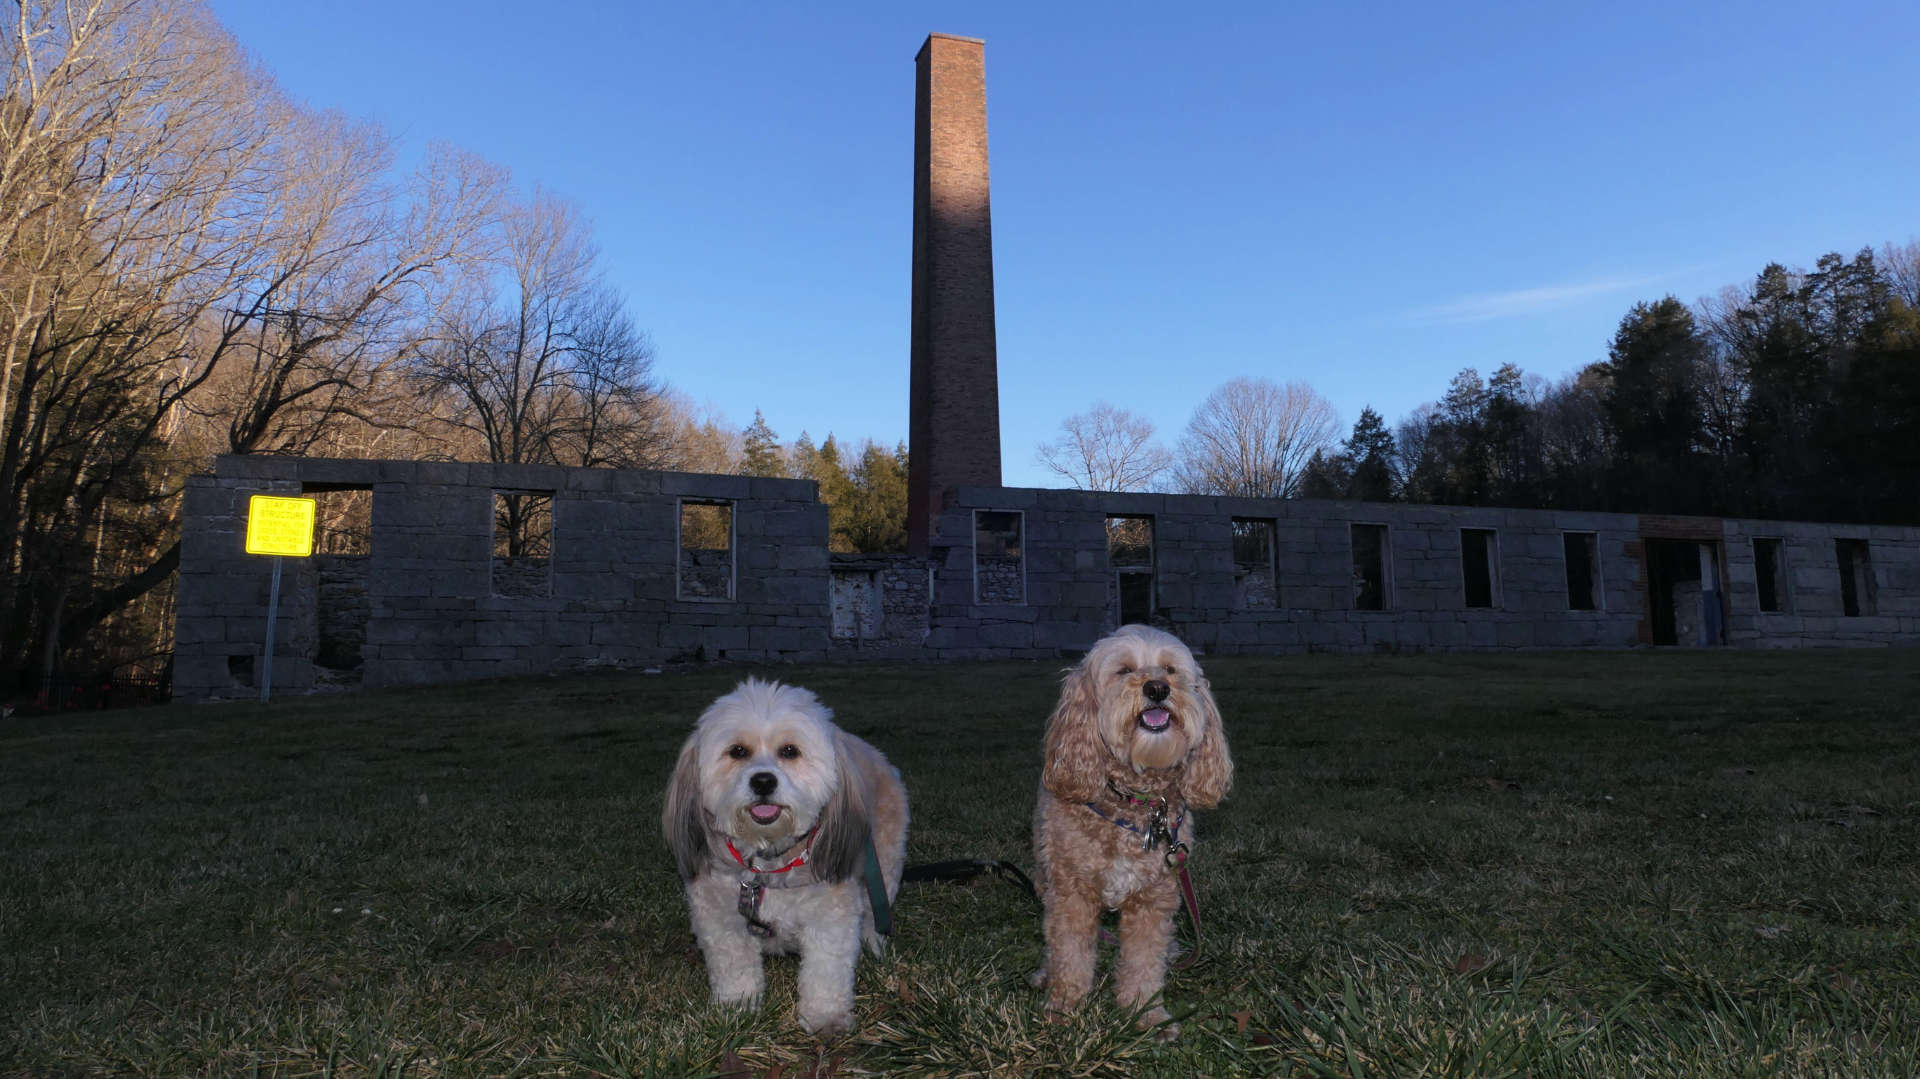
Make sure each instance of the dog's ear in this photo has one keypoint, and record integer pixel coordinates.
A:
(1075, 762)
(683, 821)
(1209, 770)
(845, 826)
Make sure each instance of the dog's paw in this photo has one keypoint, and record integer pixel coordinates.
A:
(1159, 1021)
(743, 997)
(827, 1026)
(1060, 1008)
(1038, 979)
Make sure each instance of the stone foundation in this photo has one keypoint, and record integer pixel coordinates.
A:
(426, 604)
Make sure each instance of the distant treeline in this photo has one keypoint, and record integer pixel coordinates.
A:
(1797, 397)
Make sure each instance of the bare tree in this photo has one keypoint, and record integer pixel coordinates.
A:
(616, 415)
(346, 284)
(540, 363)
(1106, 449)
(188, 262)
(1575, 441)
(1253, 438)
(1420, 453)
(1902, 266)
(137, 158)
(699, 439)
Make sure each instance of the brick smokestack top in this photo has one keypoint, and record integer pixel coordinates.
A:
(953, 433)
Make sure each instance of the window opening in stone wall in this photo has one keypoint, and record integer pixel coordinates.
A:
(1769, 572)
(1370, 584)
(1583, 571)
(522, 543)
(706, 550)
(342, 519)
(999, 562)
(1479, 553)
(342, 542)
(1256, 576)
(1858, 595)
(1130, 554)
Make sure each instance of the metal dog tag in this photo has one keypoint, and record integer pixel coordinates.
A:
(749, 907)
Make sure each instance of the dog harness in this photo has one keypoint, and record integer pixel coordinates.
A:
(1155, 830)
(754, 888)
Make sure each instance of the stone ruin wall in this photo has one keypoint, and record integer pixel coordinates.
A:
(431, 603)
(440, 607)
(1203, 593)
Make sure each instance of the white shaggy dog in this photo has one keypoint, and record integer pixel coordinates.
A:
(772, 815)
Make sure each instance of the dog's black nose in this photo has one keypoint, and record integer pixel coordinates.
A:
(1155, 690)
(763, 783)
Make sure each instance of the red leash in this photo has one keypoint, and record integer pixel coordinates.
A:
(1187, 900)
(1177, 861)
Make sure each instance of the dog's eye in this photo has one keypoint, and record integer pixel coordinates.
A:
(738, 752)
(789, 751)
(1126, 670)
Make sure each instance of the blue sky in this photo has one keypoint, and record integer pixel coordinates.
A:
(1364, 197)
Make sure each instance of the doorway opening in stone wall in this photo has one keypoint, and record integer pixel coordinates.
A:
(1130, 556)
(1683, 592)
(853, 597)
(338, 572)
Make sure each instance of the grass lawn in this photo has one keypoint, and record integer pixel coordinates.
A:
(1625, 863)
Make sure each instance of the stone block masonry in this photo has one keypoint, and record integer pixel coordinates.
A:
(431, 603)
(1307, 602)
(618, 590)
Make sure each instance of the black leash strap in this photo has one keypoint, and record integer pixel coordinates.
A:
(877, 894)
(962, 870)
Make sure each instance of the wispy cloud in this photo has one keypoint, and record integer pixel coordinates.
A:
(1513, 303)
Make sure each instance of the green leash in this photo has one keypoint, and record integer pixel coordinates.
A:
(877, 893)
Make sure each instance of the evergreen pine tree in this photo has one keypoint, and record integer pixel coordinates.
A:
(1369, 451)
(1653, 409)
(760, 451)
(801, 456)
(875, 520)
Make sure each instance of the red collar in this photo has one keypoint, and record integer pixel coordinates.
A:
(805, 849)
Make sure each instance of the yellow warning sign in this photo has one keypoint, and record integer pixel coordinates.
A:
(282, 526)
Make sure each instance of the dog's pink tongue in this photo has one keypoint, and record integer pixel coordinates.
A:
(1154, 718)
(765, 814)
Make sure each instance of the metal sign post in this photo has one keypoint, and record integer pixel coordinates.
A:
(281, 527)
(273, 615)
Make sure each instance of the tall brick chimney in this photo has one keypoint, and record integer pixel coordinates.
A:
(953, 431)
